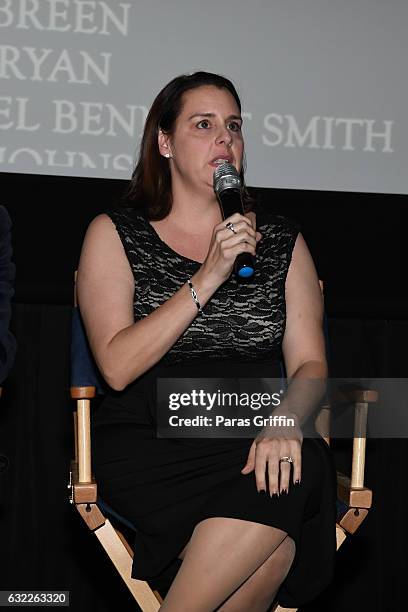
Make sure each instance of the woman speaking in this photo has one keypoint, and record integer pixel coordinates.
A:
(238, 522)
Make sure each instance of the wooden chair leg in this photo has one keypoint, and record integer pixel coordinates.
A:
(120, 553)
(340, 536)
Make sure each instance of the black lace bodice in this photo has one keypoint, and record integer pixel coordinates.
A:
(242, 320)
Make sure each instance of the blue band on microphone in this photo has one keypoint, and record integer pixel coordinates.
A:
(246, 272)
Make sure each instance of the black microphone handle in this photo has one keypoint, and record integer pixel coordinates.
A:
(244, 265)
(231, 202)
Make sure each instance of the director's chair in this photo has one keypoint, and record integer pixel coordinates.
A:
(354, 499)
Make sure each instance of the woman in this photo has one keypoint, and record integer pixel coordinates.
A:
(158, 300)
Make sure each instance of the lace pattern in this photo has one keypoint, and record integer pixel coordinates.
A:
(243, 320)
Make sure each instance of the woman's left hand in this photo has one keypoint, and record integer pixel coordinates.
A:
(269, 446)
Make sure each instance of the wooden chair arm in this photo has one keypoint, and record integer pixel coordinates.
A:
(361, 398)
(82, 427)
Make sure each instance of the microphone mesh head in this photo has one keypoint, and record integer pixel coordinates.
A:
(226, 177)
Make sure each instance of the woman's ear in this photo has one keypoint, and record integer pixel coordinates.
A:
(163, 141)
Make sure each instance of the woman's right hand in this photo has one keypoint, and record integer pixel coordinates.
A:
(226, 245)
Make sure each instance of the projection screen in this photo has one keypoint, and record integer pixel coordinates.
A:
(323, 84)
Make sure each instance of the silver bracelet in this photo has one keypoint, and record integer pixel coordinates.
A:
(194, 296)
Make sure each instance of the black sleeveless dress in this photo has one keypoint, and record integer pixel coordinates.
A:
(166, 486)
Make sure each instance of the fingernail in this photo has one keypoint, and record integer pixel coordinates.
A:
(297, 481)
(274, 493)
(261, 491)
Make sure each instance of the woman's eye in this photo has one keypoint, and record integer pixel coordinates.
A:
(234, 126)
(203, 124)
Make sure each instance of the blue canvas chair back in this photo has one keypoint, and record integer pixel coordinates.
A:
(84, 373)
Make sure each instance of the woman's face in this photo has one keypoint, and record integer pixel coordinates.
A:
(207, 132)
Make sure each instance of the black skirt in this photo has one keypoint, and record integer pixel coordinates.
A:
(164, 487)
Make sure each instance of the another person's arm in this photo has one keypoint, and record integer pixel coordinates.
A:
(7, 272)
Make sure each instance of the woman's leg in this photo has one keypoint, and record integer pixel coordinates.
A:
(258, 592)
(221, 555)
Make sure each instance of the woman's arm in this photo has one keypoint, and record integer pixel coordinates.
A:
(303, 343)
(122, 348)
(304, 354)
(7, 271)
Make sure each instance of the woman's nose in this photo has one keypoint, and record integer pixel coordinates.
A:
(224, 137)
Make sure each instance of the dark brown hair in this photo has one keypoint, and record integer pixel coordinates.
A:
(150, 185)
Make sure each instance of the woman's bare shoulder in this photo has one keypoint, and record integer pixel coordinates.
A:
(101, 224)
(101, 231)
(102, 250)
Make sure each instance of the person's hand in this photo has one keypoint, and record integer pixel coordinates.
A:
(226, 244)
(269, 446)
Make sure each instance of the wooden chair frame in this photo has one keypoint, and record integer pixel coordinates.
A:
(83, 494)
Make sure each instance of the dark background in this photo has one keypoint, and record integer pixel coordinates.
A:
(358, 242)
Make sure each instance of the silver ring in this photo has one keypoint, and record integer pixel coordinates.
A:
(230, 226)
(286, 459)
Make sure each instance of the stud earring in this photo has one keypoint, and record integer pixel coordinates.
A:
(167, 155)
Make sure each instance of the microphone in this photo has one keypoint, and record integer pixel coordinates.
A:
(227, 186)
